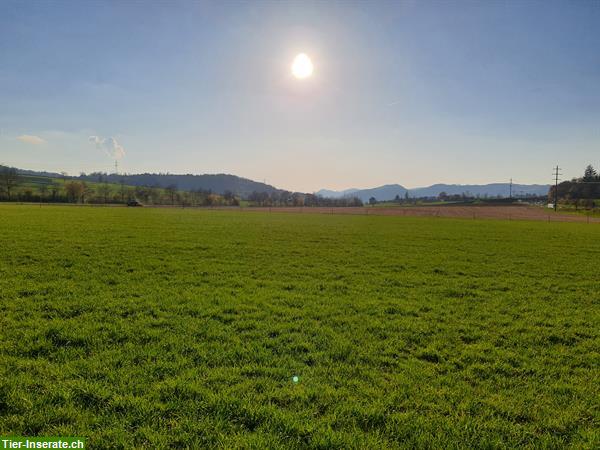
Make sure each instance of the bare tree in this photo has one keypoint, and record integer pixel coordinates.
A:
(122, 190)
(54, 190)
(104, 192)
(155, 195)
(10, 179)
(171, 190)
(86, 191)
(74, 190)
(43, 191)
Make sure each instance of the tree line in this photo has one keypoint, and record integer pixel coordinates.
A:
(465, 197)
(287, 198)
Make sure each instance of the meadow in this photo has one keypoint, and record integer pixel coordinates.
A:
(156, 328)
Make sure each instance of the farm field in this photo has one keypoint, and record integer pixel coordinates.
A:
(159, 327)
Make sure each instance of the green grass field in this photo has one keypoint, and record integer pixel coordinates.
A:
(183, 328)
(35, 181)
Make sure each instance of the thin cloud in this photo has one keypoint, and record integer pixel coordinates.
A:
(31, 139)
(109, 145)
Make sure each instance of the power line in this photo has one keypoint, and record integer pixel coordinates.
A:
(555, 175)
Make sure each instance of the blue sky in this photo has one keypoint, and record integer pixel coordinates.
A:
(403, 92)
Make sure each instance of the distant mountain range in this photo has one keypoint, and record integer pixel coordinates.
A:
(336, 194)
(390, 191)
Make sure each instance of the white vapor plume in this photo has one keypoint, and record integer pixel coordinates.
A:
(109, 145)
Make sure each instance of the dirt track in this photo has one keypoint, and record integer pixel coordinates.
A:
(460, 212)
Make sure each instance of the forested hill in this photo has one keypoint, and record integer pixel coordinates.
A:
(218, 183)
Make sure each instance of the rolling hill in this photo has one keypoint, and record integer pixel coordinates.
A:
(216, 183)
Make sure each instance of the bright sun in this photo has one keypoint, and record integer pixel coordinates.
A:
(302, 67)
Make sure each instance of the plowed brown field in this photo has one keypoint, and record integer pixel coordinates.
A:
(512, 212)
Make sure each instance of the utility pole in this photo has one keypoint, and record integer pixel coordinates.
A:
(116, 167)
(556, 174)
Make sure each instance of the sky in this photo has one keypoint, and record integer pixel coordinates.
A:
(406, 92)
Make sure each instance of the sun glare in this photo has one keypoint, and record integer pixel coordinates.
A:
(302, 67)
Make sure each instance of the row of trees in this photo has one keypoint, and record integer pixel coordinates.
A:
(9, 180)
(443, 196)
(287, 198)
